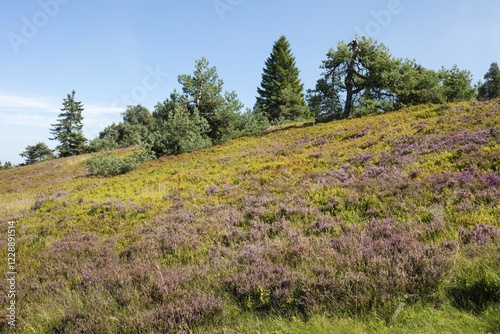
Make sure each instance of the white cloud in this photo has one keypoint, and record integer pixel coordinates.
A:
(24, 110)
(27, 119)
(20, 102)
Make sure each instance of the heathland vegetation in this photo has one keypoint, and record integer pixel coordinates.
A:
(376, 224)
(360, 78)
(303, 219)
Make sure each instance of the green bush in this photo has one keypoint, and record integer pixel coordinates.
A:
(109, 163)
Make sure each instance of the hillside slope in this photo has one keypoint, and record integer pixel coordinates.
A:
(377, 223)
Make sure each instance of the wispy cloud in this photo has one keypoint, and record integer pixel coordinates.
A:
(41, 111)
(12, 102)
(28, 118)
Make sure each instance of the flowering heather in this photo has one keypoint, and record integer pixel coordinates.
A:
(480, 234)
(392, 217)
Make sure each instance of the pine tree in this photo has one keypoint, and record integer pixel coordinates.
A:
(281, 95)
(204, 90)
(68, 129)
(490, 89)
(361, 73)
(178, 127)
(37, 153)
(457, 84)
(358, 78)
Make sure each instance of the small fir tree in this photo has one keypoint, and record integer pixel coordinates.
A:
(281, 94)
(68, 129)
(457, 84)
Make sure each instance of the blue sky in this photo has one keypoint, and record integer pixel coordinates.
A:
(119, 52)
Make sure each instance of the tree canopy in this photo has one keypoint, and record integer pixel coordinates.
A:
(178, 127)
(135, 128)
(281, 94)
(68, 129)
(37, 153)
(490, 89)
(355, 75)
(358, 78)
(204, 92)
(362, 77)
(457, 84)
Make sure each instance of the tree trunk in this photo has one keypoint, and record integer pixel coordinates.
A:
(349, 92)
(349, 79)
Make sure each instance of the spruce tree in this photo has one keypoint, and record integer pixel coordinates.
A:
(68, 129)
(281, 95)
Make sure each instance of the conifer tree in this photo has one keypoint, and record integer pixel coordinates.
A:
(204, 90)
(178, 127)
(68, 129)
(358, 78)
(457, 84)
(490, 89)
(281, 95)
(37, 153)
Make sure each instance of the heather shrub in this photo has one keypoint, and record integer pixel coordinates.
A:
(183, 315)
(118, 210)
(359, 270)
(365, 270)
(108, 163)
(263, 286)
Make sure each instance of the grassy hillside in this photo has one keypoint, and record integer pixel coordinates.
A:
(379, 224)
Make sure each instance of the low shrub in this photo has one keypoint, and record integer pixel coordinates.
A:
(109, 163)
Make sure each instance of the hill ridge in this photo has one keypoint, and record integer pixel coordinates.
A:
(346, 218)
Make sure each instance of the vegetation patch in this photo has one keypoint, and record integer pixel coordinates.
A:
(377, 224)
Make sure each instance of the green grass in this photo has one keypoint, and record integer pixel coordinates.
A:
(411, 319)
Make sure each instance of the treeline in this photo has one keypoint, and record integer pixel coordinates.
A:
(359, 78)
